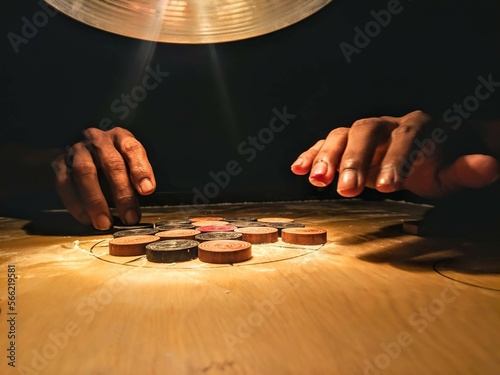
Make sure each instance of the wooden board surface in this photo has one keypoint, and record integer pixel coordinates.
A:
(372, 300)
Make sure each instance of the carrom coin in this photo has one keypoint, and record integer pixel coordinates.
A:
(178, 234)
(206, 218)
(256, 235)
(212, 236)
(242, 224)
(275, 220)
(135, 232)
(120, 227)
(174, 226)
(224, 251)
(130, 245)
(281, 226)
(205, 223)
(231, 219)
(304, 236)
(170, 251)
(173, 222)
(216, 228)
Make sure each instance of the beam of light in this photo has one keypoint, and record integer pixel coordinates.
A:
(146, 49)
(230, 123)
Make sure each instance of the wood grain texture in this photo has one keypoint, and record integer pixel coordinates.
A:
(372, 300)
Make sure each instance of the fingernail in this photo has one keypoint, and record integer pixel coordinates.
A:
(319, 170)
(131, 217)
(298, 162)
(386, 178)
(348, 180)
(146, 185)
(103, 222)
(316, 182)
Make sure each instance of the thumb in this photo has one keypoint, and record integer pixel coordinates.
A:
(470, 171)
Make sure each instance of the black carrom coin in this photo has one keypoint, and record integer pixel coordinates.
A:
(170, 251)
(212, 236)
(135, 232)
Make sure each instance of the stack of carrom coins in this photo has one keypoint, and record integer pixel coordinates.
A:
(211, 239)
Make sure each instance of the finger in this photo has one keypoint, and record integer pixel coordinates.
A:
(327, 160)
(84, 175)
(303, 164)
(403, 151)
(116, 172)
(364, 138)
(141, 172)
(470, 172)
(67, 191)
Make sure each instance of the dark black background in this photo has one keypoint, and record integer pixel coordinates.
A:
(216, 96)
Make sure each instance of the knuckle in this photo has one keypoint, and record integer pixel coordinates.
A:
(85, 169)
(62, 177)
(370, 123)
(118, 130)
(420, 116)
(77, 147)
(405, 131)
(322, 158)
(114, 164)
(124, 195)
(131, 146)
(317, 145)
(351, 162)
(374, 129)
(412, 124)
(94, 201)
(338, 132)
(93, 135)
(138, 171)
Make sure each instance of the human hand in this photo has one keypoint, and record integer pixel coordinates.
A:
(126, 168)
(395, 153)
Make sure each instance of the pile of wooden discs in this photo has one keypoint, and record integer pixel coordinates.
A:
(210, 239)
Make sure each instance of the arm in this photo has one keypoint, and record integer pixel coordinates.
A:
(25, 170)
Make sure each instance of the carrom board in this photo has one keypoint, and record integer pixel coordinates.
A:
(371, 300)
